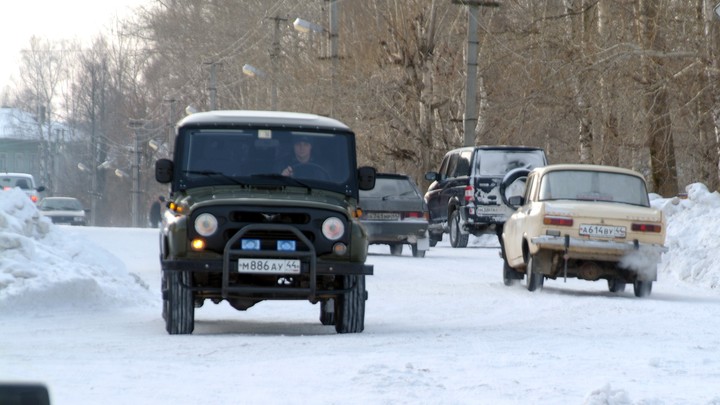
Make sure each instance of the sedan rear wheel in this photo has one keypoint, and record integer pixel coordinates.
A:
(642, 288)
(396, 249)
(616, 285)
(534, 279)
(416, 252)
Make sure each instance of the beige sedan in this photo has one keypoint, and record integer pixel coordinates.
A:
(585, 221)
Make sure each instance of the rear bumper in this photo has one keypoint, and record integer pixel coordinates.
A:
(578, 247)
(398, 231)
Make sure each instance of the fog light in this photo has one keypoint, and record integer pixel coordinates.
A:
(340, 249)
(250, 244)
(286, 245)
(197, 244)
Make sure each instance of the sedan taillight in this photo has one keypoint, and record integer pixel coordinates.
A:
(559, 221)
(646, 228)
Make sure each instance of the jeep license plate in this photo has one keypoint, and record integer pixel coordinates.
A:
(602, 231)
(269, 266)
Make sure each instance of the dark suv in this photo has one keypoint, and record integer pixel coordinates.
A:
(464, 197)
(239, 230)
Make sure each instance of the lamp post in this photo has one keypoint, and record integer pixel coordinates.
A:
(301, 25)
(471, 114)
(251, 71)
(135, 208)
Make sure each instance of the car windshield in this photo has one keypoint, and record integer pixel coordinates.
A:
(254, 156)
(60, 204)
(587, 185)
(494, 162)
(391, 188)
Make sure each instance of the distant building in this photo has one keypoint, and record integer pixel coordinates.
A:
(25, 142)
(20, 142)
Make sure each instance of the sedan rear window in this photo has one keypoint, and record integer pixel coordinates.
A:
(585, 185)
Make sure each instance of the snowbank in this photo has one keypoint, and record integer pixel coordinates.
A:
(692, 237)
(40, 267)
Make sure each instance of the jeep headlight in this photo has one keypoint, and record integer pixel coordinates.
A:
(206, 224)
(333, 228)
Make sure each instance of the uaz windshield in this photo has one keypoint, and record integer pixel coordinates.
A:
(264, 156)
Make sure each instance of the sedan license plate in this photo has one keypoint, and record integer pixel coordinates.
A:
(602, 231)
(382, 216)
(269, 266)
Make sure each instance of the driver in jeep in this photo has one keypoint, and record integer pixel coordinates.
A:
(302, 161)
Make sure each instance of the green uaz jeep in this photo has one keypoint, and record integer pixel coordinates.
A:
(263, 206)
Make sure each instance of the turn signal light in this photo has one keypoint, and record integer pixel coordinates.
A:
(646, 228)
(197, 244)
(559, 221)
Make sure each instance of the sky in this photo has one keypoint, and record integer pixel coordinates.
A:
(80, 313)
(52, 20)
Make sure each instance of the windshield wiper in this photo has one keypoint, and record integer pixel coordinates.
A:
(398, 195)
(210, 173)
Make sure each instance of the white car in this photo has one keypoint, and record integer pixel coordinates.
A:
(24, 181)
(585, 221)
(63, 210)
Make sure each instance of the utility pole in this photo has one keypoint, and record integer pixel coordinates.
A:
(213, 85)
(471, 114)
(135, 210)
(171, 126)
(333, 34)
(274, 58)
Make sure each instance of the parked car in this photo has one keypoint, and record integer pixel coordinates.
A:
(464, 197)
(24, 181)
(63, 210)
(395, 214)
(585, 221)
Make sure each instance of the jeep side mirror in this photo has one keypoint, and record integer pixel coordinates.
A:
(164, 171)
(431, 176)
(366, 177)
(40, 189)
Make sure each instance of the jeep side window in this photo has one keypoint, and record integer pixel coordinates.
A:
(463, 164)
(451, 165)
(442, 172)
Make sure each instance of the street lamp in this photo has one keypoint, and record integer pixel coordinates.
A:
(252, 71)
(304, 26)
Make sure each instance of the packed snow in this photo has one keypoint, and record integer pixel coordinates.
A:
(80, 313)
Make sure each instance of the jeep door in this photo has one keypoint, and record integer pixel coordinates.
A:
(449, 188)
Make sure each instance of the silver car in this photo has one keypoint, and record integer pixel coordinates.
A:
(63, 210)
(394, 213)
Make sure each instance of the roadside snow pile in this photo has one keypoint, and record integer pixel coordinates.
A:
(692, 236)
(42, 268)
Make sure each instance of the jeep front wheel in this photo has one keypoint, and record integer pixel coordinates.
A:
(178, 303)
(457, 238)
(350, 307)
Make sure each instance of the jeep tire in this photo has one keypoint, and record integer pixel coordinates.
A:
(458, 239)
(350, 307)
(178, 303)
